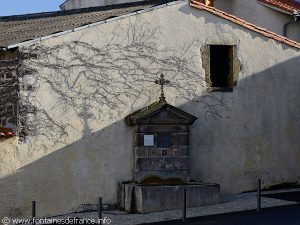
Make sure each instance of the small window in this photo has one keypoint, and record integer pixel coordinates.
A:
(221, 64)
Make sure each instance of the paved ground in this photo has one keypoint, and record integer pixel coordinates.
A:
(231, 203)
(282, 215)
(288, 196)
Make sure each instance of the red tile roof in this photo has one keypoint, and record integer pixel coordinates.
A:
(245, 24)
(6, 132)
(285, 5)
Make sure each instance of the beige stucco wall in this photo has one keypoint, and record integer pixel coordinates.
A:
(8, 162)
(87, 81)
(260, 15)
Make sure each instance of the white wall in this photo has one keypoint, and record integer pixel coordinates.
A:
(260, 15)
(89, 80)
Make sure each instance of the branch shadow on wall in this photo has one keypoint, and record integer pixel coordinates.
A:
(86, 96)
(262, 122)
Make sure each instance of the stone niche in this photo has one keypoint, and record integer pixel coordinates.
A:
(161, 164)
(161, 142)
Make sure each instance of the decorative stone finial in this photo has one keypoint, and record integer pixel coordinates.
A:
(162, 81)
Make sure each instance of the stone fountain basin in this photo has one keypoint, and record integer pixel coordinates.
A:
(136, 198)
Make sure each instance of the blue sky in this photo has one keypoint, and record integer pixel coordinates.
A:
(17, 7)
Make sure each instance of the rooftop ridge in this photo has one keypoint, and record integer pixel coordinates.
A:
(12, 27)
(28, 29)
(79, 11)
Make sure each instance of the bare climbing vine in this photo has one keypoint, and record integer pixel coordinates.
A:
(98, 81)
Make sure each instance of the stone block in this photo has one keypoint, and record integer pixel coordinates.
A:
(147, 199)
(159, 128)
(162, 163)
(184, 151)
(139, 139)
(127, 200)
(141, 152)
(165, 174)
(180, 139)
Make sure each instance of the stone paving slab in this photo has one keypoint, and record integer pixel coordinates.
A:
(280, 215)
(229, 203)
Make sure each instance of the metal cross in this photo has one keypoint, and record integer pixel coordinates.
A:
(162, 81)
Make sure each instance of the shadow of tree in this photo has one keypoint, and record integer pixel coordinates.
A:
(109, 80)
(80, 148)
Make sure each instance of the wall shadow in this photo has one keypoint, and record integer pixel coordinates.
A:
(255, 136)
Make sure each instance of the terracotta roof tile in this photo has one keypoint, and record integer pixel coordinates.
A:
(286, 5)
(6, 132)
(245, 24)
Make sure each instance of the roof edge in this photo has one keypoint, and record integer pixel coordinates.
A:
(193, 3)
(243, 23)
(77, 11)
(275, 8)
(279, 6)
(137, 117)
(36, 40)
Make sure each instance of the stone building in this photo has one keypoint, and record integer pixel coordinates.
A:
(69, 79)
